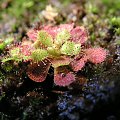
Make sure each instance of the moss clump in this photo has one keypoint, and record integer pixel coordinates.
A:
(6, 42)
(115, 21)
(7, 66)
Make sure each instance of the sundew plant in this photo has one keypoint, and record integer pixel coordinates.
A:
(61, 47)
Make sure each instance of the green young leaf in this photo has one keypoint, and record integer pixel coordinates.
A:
(54, 51)
(15, 52)
(62, 37)
(39, 55)
(45, 38)
(77, 49)
(37, 44)
(17, 59)
(70, 48)
(6, 59)
(25, 58)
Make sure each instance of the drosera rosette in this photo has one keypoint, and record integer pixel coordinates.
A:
(55, 51)
(60, 47)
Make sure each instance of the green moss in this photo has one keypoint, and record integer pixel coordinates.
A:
(115, 21)
(2, 96)
(18, 8)
(92, 8)
(92, 37)
(2, 46)
(2, 77)
(7, 67)
(112, 6)
(118, 42)
(6, 42)
(117, 31)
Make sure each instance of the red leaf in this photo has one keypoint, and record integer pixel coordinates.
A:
(26, 48)
(63, 78)
(79, 35)
(96, 55)
(61, 61)
(54, 30)
(38, 71)
(51, 30)
(68, 27)
(78, 64)
(32, 34)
